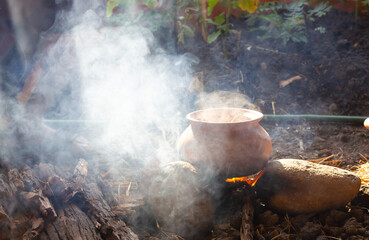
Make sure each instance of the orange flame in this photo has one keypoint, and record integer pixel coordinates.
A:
(250, 180)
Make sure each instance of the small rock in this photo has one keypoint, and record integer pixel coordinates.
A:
(310, 231)
(268, 218)
(298, 186)
(179, 202)
(263, 66)
(335, 231)
(300, 220)
(358, 214)
(329, 220)
(351, 226)
(339, 217)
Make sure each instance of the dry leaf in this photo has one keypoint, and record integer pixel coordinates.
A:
(284, 83)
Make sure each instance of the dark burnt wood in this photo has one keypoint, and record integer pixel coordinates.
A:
(247, 227)
(45, 202)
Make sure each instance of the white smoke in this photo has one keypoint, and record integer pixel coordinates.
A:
(115, 75)
(127, 82)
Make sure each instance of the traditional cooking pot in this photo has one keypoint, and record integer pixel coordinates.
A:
(230, 140)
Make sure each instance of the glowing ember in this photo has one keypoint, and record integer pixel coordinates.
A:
(250, 180)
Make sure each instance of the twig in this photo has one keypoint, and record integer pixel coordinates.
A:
(107, 173)
(265, 49)
(273, 107)
(366, 159)
(128, 189)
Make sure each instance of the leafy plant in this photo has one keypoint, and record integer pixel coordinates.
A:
(140, 12)
(287, 22)
(187, 14)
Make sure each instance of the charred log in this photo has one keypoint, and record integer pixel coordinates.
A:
(45, 202)
(247, 227)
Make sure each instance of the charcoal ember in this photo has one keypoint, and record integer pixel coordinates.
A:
(298, 186)
(179, 201)
(310, 231)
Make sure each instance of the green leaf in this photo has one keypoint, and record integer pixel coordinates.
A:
(211, 5)
(234, 31)
(110, 5)
(220, 19)
(150, 3)
(248, 5)
(209, 20)
(365, 2)
(180, 37)
(188, 31)
(212, 37)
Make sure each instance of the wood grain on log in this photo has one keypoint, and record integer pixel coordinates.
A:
(247, 227)
(55, 205)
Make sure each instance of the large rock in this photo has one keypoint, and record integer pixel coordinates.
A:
(298, 186)
(180, 202)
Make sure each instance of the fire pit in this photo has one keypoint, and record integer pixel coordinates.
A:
(230, 140)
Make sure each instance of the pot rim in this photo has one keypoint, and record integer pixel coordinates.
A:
(256, 116)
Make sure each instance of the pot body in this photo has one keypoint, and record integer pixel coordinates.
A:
(229, 140)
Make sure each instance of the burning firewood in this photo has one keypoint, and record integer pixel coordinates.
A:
(250, 180)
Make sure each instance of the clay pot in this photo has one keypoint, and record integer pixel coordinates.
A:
(230, 140)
